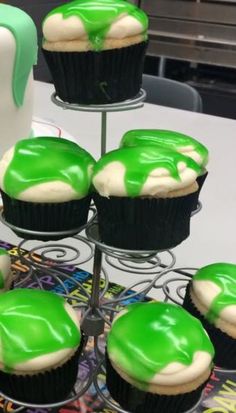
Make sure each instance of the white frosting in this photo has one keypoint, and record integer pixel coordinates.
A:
(51, 360)
(191, 153)
(5, 268)
(125, 26)
(54, 191)
(206, 292)
(15, 122)
(110, 180)
(178, 373)
(58, 29)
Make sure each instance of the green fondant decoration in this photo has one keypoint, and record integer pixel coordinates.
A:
(45, 159)
(165, 138)
(2, 283)
(98, 16)
(150, 336)
(34, 323)
(24, 31)
(224, 276)
(140, 161)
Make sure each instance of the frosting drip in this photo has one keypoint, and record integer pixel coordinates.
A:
(139, 162)
(150, 336)
(34, 323)
(41, 160)
(224, 276)
(24, 31)
(167, 139)
(97, 16)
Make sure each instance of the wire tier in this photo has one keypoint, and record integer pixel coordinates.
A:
(129, 104)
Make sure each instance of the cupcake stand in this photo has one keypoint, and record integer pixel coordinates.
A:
(97, 312)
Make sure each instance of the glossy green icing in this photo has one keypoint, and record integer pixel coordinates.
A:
(24, 31)
(150, 336)
(34, 323)
(46, 159)
(2, 282)
(224, 276)
(98, 16)
(165, 138)
(140, 161)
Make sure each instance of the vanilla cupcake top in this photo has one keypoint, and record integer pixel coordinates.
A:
(94, 21)
(24, 31)
(46, 169)
(158, 343)
(143, 170)
(39, 330)
(215, 287)
(176, 141)
(5, 270)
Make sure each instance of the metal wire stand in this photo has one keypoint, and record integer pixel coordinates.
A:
(130, 104)
(96, 311)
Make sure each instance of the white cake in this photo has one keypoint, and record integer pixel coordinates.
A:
(18, 54)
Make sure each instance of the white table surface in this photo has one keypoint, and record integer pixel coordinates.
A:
(213, 230)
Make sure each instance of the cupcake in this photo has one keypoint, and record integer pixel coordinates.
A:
(45, 186)
(159, 358)
(211, 297)
(6, 277)
(175, 141)
(95, 50)
(40, 346)
(144, 197)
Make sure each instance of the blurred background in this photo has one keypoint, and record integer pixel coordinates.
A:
(192, 41)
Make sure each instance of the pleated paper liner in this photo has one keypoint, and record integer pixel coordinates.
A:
(137, 401)
(200, 180)
(45, 217)
(43, 388)
(97, 77)
(225, 346)
(144, 223)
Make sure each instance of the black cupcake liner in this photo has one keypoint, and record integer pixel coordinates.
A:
(97, 77)
(144, 223)
(45, 217)
(43, 388)
(200, 180)
(137, 401)
(225, 346)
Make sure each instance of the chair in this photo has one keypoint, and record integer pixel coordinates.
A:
(167, 92)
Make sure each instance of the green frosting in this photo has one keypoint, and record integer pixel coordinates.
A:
(2, 278)
(150, 336)
(140, 161)
(224, 276)
(24, 31)
(168, 139)
(40, 160)
(98, 16)
(34, 323)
